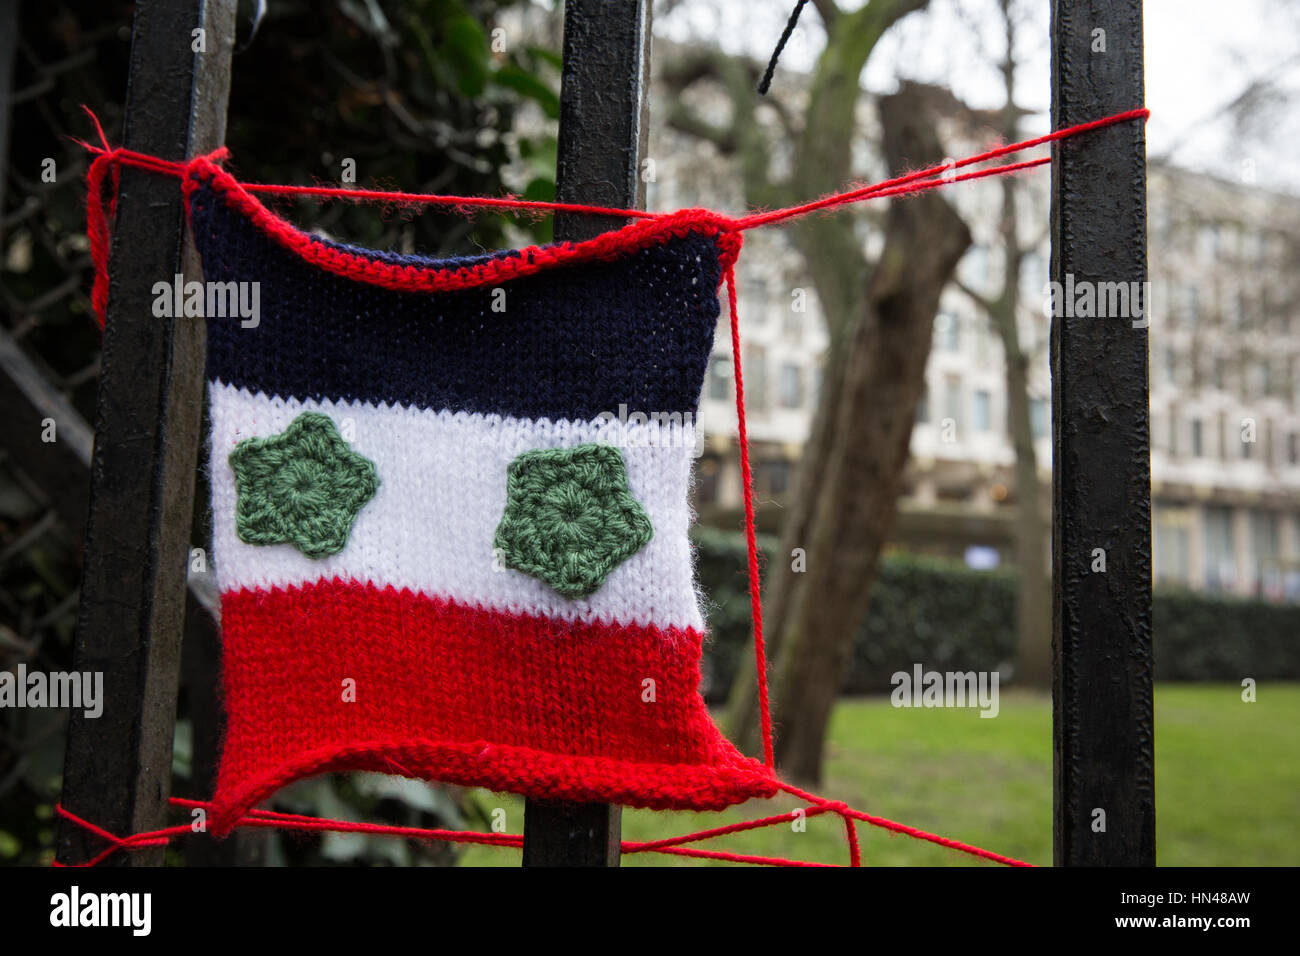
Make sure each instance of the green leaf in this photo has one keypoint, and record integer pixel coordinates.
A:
(465, 47)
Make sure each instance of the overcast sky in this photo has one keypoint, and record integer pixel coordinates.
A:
(1200, 55)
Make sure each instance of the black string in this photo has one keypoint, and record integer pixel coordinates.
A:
(766, 81)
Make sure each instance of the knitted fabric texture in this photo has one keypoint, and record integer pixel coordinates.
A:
(302, 487)
(569, 518)
(443, 547)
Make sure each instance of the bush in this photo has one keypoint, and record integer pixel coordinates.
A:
(940, 613)
(1207, 637)
(936, 612)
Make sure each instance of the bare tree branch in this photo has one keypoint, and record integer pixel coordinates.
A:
(983, 301)
(685, 120)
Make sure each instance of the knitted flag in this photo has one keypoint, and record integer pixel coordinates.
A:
(450, 513)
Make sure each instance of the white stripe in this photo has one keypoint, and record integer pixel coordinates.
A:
(441, 494)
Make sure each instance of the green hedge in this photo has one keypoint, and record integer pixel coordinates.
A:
(1203, 637)
(950, 618)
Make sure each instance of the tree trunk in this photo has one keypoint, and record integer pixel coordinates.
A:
(781, 586)
(860, 452)
(1033, 598)
(836, 263)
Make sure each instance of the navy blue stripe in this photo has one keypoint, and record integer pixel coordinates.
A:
(573, 341)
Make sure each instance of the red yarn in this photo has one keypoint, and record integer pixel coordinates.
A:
(849, 812)
(890, 187)
(851, 832)
(675, 846)
(530, 259)
(460, 203)
(751, 545)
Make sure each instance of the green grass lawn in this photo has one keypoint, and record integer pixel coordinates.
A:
(1227, 785)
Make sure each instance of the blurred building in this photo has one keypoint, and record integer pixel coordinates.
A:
(1225, 443)
(1224, 375)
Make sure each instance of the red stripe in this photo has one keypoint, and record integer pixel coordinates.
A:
(460, 694)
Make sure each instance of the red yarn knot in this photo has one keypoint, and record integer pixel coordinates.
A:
(109, 160)
(134, 842)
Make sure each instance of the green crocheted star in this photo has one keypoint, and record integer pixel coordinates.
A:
(569, 517)
(303, 487)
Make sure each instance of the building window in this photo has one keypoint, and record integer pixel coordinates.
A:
(1233, 306)
(1220, 553)
(706, 480)
(976, 266)
(1191, 305)
(755, 372)
(776, 476)
(1163, 220)
(1258, 378)
(1264, 553)
(792, 326)
(983, 410)
(753, 298)
(1171, 545)
(1198, 445)
(1293, 448)
(1252, 246)
(1033, 268)
(1208, 241)
(720, 377)
(1038, 417)
(952, 398)
(948, 329)
(790, 385)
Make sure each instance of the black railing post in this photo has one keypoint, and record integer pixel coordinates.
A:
(9, 22)
(117, 771)
(603, 87)
(1103, 723)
